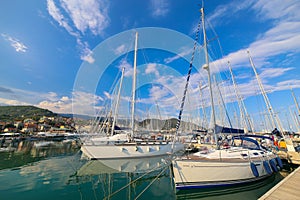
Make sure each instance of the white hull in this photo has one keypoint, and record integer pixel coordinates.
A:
(130, 150)
(111, 166)
(211, 172)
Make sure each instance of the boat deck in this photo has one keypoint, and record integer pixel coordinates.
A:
(237, 160)
(237, 156)
(287, 189)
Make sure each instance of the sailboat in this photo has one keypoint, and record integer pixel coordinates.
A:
(244, 160)
(126, 146)
(291, 153)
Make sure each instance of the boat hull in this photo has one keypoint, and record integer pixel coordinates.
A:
(189, 174)
(130, 150)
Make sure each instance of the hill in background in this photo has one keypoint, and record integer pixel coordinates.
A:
(11, 113)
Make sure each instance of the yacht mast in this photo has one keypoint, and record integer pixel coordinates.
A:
(241, 104)
(203, 106)
(206, 66)
(222, 106)
(288, 141)
(266, 99)
(298, 109)
(133, 86)
(117, 103)
(295, 100)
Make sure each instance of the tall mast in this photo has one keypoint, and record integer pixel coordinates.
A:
(133, 86)
(295, 100)
(297, 106)
(203, 107)
(117, 103)
(266, 99)
(206, 66)
(242, 107)
(294, 118)
(297, 122)
(222, 105)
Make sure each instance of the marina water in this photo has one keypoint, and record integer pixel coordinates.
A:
(56, 170)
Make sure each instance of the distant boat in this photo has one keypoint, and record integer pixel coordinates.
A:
(241, 161)
(126, 145)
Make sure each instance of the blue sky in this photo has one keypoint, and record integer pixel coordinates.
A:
(56, 54)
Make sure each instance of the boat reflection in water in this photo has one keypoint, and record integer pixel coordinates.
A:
(135, 165)
(145, 178)
(17, 152)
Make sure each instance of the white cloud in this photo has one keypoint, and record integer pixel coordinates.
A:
(15, 43)
(14, 96)
(277, 9)
(65, 98)
(88, 58)
(52, 96)
(185, 51)
(87, 55)
(273, 72)
(55, 103)
(81, 103)
(151, 68)
(88, 15)
(287, 85)
(223, 12)
(78, 18)
(56, 106)
(158, 93)
(128, 68)
(12, 102)
(283, 39)
(120, 49)
(85, 15)
(59, 17)
(159, 7)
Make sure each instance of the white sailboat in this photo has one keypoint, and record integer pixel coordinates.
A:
(291, 153)
(234, 164)
(124, 145)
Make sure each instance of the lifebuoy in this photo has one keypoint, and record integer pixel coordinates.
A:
(267, 167)
(254, 169)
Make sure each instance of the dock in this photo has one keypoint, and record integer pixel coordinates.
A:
(286, 189)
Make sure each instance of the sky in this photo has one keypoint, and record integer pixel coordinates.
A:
(67, 56)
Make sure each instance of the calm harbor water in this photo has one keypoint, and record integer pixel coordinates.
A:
(55, 170)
